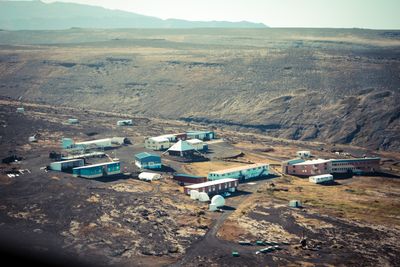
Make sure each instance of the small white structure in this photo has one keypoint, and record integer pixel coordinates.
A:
(32, 138)
(203, 197)
(194, 194)
(319, 179)
(149, 176)
(20, 110)
(212, 207)
(218, 201)
(124, 123)
(304, 154)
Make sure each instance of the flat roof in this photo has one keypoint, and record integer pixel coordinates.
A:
(194, 141)
(94, 141)
(356, 159)
(209, 183)
(322, 175)
(159, 139)
(97, 165)
(188, 175)
(69, 160)
(198, 132)
(314, 161)
(240, 168)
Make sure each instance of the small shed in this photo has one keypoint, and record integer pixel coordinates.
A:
(321, 179)
(181, 149)
(124, 123)
(32, 138)
(295, 203)
(149, 176)
(202, 135)
(147, 160)
(73, 121)
(67, 143)
(20, 110)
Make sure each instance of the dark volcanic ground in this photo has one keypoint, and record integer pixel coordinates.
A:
(336, 86)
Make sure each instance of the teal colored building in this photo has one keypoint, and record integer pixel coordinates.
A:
(147, 160)
(97, 170)
(201, 135)
(67, 143)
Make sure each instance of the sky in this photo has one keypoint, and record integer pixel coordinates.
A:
(372, 14)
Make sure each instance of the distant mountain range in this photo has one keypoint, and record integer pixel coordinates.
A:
(36, 15)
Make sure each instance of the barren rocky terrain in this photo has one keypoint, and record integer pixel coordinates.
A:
(336, 86)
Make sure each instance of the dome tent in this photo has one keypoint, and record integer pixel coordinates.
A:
(149, 176)
(218, 201)
(194, 194)
(203, 197)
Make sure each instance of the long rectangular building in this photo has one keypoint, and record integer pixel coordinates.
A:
(242, 173)
(98, 170)
(357, 165)
(300, 167)
(214, 187)
(66, 165)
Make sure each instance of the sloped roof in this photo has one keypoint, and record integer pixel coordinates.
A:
(144, 155)
(181, 146)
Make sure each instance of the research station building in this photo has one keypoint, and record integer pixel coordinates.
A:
(147, 160)
(242, 173)
(214, 187)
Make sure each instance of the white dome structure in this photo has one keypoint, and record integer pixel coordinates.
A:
(149, 176)
(194, 194)
(218, 201)
(203, 197)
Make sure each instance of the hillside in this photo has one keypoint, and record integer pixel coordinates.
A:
(36, 15)
(338, 86)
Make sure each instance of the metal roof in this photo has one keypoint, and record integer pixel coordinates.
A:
(356, 159)
(210, 183)
(314, 161)
(181, 146)
(97, 165)
(188, 175)
(194, 141)
(94, 141)
(240, 168)
(144, 155)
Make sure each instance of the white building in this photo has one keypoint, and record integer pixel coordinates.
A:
(157, 143)
(149, 176)
(319, 179)
(241, 173)
(198, 144)
(100, 143)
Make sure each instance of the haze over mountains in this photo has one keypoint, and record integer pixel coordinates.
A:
(330, 85)
(36, 15)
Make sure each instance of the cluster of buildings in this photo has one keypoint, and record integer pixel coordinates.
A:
(306, 168)
(218, 182)
(105, 143)
(78, 168)
(191, 140)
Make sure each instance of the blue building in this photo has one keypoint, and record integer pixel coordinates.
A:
(201, 135)
(97, 170)
(147, 160)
